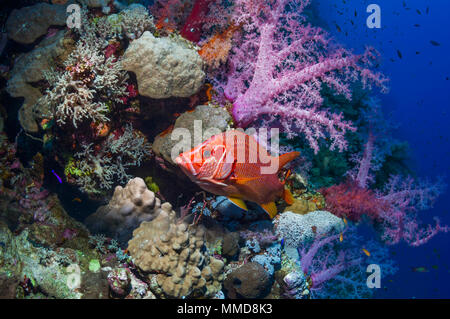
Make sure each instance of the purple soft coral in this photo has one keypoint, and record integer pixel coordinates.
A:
(405, 197)
(318, 267)
(289, 63)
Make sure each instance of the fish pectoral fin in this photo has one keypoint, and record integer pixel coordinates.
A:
(244, 180)
(270, 208)
(287, 196)
(238, 202)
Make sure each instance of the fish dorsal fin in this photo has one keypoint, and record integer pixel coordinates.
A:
(286, 158)
(238, 202)
(270, 209)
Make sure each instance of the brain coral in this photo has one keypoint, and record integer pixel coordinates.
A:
(174, 255)
(164, 67)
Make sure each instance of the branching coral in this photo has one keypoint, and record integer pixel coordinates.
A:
(131, 23)
(135, 21)
(84, 110)
(96, 168)
(86, 88)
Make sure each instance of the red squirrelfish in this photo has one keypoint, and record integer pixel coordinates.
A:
(235, 165)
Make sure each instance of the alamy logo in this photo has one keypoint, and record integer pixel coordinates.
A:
(374, 19)
(74, 18)
(374, 279)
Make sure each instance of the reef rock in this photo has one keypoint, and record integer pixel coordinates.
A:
(29, 23)
(202, 123)
(2, 120)
(248, 281)
(94, 3)
(30, 68)
(295, 228)
(175, 252)
(8, 287)
(230, 246)
(129, 206)
(59, 273)
(164, 67)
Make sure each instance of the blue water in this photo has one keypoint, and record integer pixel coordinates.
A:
(418, 102)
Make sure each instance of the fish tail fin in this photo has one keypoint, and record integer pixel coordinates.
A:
(238, 202)
(286, 158)
(270, 208)
(287, 196)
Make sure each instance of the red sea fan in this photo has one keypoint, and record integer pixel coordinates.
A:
(351, 201)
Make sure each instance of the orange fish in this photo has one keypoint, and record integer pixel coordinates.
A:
(366, 252)
(233, 164)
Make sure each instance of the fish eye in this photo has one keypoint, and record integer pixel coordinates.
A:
(206, 153)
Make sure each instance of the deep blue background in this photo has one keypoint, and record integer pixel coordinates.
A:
(419, 102)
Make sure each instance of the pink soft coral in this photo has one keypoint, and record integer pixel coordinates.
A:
(405, 198)
(278, 69)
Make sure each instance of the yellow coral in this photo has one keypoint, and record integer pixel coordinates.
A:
(306, 202)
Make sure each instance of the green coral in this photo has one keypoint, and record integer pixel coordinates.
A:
(94, 265)
(73, 170)
(151, 185)
(217, 249)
